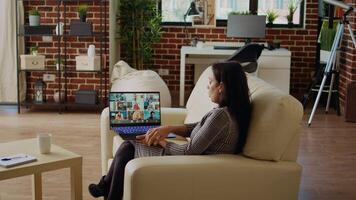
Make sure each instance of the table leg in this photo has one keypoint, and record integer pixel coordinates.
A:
(182, 79)
(76, 182)
(37, 186)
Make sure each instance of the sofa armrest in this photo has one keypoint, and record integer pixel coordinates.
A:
(172, 116)
(106, 137)
(210, 177)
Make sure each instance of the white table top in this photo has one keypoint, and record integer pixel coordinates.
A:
(209, 50)
(58, 158)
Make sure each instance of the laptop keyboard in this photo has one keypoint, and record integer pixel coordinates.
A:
(134, 129)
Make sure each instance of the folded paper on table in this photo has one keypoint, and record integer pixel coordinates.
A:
(17, 159)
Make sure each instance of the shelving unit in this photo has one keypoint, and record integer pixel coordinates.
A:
(62, 73)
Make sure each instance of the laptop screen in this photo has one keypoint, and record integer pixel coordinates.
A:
(134, 108)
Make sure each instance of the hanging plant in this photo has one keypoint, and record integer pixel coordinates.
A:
(139, 28)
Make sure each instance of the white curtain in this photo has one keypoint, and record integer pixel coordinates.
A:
(8, 78)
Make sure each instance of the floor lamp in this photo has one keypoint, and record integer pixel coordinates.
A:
(192, 11)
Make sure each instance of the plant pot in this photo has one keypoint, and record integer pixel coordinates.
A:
(34, 20)
(83, 18)
(290, 24)
(277, 45)
(57, 67)
(269, 24)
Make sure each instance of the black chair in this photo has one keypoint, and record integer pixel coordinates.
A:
(248, 56)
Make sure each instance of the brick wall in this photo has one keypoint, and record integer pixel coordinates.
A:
(301, 42)
(75, 46)
(348, 57)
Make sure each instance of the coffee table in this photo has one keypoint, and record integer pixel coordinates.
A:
(59, 158)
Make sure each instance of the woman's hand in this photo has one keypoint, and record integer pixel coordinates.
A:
(155, 136)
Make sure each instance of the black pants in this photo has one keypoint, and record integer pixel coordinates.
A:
(114, 180)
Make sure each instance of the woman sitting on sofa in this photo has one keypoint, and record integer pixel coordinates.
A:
(223, 130)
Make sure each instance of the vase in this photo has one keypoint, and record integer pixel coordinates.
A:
(56, 96)
(290, 24)
(91, 51)
(83, 18)
(60, 28)
(34, 20)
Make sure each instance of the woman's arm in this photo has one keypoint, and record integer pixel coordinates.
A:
(215, 124)
(153, 136)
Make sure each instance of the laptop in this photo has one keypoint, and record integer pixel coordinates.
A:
(134, 113)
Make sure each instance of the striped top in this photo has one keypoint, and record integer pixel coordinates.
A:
(216, 133)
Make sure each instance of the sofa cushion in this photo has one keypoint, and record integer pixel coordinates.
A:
(199, 102)
(130, 80)
(275, 121)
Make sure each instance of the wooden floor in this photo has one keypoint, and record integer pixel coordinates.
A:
(327, 153)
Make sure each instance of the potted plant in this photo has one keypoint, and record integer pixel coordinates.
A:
(58, 62)
(82, 11)
(34, 50)
(140, 28)
(271, 16)
(277, 44)
(292, 7)
(34, 17)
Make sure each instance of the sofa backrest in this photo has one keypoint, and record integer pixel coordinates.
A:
(275, 124)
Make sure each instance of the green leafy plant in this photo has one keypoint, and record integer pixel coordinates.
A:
(271, 16)
(327, 35)
(292, 7)
(82, 10)
(139, 25)
(240, 13)
(34, 12)
(58, 61)
(33, 50)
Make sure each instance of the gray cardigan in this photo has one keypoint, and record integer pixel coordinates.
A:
(216, 133)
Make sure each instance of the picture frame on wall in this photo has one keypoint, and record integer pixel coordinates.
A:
(207, 17)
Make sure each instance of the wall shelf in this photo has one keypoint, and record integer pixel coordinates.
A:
(62, 43)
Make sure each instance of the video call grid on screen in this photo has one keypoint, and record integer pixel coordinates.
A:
(134, 108)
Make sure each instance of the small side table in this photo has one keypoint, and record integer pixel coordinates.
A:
(59, 158)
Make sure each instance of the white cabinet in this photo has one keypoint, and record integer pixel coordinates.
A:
(274, 66)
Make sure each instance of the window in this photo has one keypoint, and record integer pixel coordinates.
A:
(173, 10)
(279, 6)
(227, 6)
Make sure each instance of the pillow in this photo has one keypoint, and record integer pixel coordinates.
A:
(120, 69)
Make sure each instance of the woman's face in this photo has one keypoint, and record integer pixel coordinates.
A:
(214, 88)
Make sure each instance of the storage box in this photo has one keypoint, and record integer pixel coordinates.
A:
(85, 63)
(86, 97)
(32, 62)
(41, 30)
(81, 28)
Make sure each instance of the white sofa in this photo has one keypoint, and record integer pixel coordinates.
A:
(267, 169)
